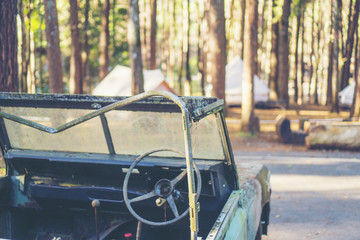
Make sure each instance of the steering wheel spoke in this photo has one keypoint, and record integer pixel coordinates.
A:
(143, 197)
(171, 201)
(178, 178)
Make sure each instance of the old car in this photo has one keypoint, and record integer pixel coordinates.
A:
(150, 166)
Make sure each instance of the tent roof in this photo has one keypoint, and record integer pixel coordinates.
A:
(346, 95)
(118, 82)
(233, 85)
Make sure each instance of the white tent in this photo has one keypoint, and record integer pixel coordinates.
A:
(233, 85)
(118, 82)
(347, 94)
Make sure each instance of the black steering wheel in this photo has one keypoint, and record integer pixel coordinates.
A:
(163, 189)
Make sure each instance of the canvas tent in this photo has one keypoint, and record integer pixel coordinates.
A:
(347, 94)
(118, 82)
(233, 85)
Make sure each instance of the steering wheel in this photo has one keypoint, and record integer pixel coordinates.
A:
(163, 189)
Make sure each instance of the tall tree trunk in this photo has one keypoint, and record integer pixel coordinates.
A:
(85, 54)
(187, 86)
(274, 64)
(349, 45)
(137, 77)
(318, 53)
(181, 49)
(312, 53)
(242, 23)
(335, 59)
(113, 12)
(24, 47)
(172, 24)
(53, 47)
(201, 51)
(250, 59)
(217, 50)
(356, 100)
(8, 47)
(143, 30)
(283, 53)
(104, 40)
(75, 64)
(302, 63)
(153, 30)
(31, 66)
(298, 26)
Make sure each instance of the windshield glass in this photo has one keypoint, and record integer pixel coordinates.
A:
(132, 132)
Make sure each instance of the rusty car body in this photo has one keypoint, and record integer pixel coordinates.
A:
(151, 166)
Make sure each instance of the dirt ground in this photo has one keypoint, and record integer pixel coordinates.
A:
(315, 193)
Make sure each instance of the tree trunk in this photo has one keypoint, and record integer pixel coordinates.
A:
(187, 86)
(283, 82)
(85, 55)
(298, 25)
(143, 30)
(349, 45)
(24, 47)
(172, 24)
(274, 64)
(302, 63)
(355, 107)
(181, 50)
(356, 101)
(250, 59)
(217, 49)
(153, 30)
(53, 47)
(242, 23)
(8, 47)
(201, 51)
(318, 54)
(75, 63)
(137, 77)
(312, 53)
(104, 40)
(335, 59)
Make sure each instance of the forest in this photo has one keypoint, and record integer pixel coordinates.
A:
(305, 51)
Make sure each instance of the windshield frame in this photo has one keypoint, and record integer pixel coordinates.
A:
(192, 110)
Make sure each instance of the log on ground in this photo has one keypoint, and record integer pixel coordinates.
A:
(334, 136)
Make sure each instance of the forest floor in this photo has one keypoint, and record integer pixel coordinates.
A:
(315, 193)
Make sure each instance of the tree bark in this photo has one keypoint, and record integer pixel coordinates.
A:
(349, 45)
(201, 49)
(85, 55)
(312, 53)
(24, 47)
(274, 64)
(75, 63)
(53, 47)
(302, 63)
(153, 30)
(137, 77)
(356, 101)
(283, 89)
(104, 40)
(242, 23)
(187, 85)
(250, 60)
(172, 23)
(335, 59)
(217, 49)
(8, 47)
(298, 25)
(181, 50)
